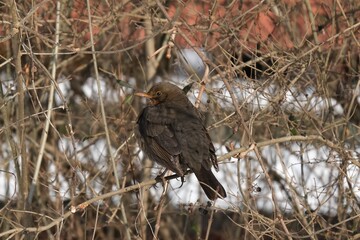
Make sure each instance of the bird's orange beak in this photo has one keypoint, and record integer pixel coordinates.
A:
(153, 102)
(143, 94)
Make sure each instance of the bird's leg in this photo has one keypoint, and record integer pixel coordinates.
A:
(161, 177)
(183, 177)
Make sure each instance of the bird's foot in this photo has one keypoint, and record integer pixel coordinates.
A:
(161, 177)
(183, 177)
(182, 181)
(162, 174)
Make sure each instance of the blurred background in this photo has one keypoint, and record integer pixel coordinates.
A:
(276, 81)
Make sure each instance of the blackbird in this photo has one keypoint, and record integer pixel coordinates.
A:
(171, 133)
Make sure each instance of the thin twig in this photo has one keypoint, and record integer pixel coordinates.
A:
(210, 221)
(159, 209)
(48, 115)
(103, 115)
(23, 170)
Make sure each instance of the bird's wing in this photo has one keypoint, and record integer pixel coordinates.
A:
(158, 138)
(176, 134)
(158, 123)
(193, 139)
(164, 138)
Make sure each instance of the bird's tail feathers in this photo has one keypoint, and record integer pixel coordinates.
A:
(211, 186)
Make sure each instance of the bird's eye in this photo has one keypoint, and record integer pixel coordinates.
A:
(158, 93)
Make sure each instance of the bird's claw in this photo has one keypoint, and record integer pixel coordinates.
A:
(161, 178)
(182, 181)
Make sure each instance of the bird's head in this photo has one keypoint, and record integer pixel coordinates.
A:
(163, 92)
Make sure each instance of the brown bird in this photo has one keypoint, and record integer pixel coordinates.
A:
(171, 133)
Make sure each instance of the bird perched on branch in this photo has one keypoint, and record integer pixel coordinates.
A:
(171, 133)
